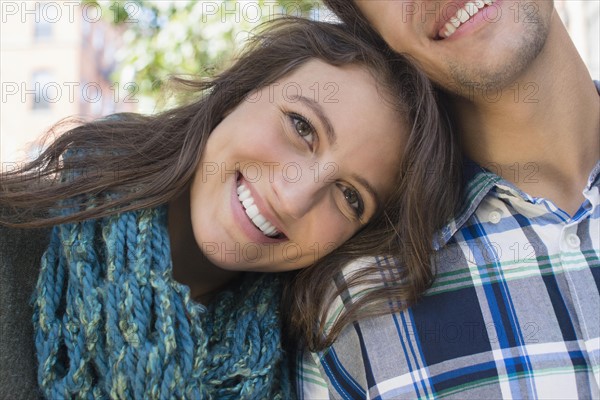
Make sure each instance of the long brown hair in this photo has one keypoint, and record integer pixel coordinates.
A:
(349, 13)
(138, 161)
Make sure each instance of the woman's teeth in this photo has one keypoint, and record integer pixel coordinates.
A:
(463, 15)
(252, 212)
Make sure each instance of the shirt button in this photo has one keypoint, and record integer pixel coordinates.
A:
(495, 217)
(573, 240)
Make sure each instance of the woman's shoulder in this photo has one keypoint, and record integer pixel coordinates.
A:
(20, 254)
(21, 249)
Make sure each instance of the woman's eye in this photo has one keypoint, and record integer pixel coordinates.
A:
(353, 198)
(304, 129)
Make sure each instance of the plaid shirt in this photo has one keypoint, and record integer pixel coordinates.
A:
(514, 311)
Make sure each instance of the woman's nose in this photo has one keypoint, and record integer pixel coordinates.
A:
(297, 189)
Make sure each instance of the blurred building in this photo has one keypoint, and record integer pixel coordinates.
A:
(55, 61)
(56, 58)
(582, 19)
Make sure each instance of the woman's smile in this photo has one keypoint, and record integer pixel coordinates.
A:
(253, 215)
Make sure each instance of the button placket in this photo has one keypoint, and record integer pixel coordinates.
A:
(573, 240)
(495, 216)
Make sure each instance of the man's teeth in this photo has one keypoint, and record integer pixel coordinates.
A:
(252, 212)
(463, 15)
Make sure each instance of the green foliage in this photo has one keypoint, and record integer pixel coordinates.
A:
(162, 38)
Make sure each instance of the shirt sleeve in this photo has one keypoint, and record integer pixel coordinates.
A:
(371, 359)
(341, 371)
(20, 254)
(311, 383)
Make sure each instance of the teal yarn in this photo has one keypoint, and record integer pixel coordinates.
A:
(110, 321)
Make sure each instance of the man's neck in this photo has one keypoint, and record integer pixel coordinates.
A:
(543, 131)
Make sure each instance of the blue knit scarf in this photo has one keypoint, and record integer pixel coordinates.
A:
(110, 321)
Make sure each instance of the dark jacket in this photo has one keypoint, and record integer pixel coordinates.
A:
(20, 254)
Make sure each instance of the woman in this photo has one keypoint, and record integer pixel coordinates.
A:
(310, 150)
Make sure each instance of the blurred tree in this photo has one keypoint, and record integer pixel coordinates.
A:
(161, 38)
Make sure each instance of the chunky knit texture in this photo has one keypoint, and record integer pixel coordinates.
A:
(110, 321)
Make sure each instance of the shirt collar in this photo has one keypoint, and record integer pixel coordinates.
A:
(594, 179)
(595, 175)
(477, 182)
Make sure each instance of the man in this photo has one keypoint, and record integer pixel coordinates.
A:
(514, 311)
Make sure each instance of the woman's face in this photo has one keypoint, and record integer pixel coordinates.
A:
(295, 170)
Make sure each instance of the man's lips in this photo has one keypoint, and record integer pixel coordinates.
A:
(450, 22)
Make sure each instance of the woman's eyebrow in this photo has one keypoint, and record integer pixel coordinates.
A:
(318, 110)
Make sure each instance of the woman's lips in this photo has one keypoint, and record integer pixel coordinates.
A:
(252, 211)
(240, 215)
